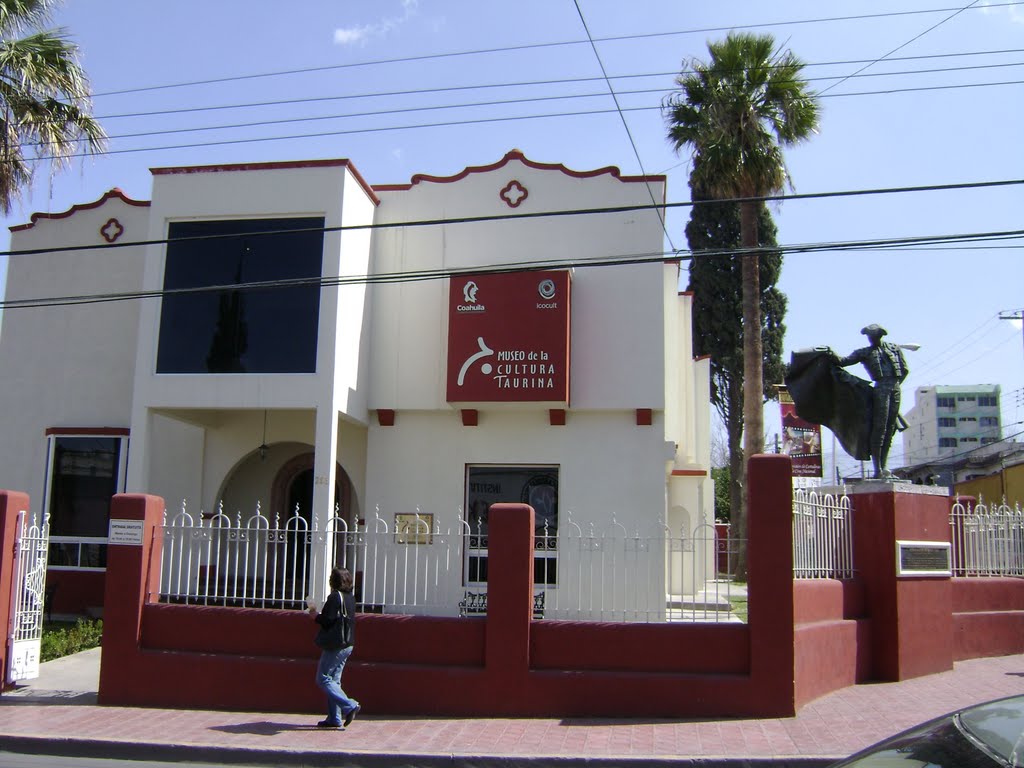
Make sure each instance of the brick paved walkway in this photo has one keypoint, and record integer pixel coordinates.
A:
(69, 722)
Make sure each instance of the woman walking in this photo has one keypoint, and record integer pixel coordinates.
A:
(336, 638)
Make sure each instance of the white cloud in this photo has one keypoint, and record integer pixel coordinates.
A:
(348, 35)
(360, 34)
(1013, 12)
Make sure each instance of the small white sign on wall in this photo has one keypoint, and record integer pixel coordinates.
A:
(127, 532)
(23, 663)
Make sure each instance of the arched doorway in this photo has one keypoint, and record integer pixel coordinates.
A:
(292, 499)
(292, 490)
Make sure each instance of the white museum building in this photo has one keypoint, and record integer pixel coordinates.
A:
(287, 344)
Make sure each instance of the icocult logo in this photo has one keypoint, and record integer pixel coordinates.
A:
(546, 289)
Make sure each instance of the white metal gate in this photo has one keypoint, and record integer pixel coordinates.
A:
(28, 593)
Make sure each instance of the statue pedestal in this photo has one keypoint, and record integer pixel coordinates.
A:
(900, 545)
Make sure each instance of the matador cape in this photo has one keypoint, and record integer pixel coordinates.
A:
(824, 393)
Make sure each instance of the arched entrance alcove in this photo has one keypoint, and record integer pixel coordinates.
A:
(292, 494)
(292, 489)
(281, 483)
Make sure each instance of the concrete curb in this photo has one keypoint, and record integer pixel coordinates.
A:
(122, 750)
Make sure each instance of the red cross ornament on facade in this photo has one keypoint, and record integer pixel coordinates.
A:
(111, 230)
(514, 193)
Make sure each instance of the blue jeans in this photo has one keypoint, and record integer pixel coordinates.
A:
(328, 678)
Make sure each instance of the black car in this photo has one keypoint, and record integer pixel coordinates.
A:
(981, 736)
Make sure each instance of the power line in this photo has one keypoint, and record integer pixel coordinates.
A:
(876, 243)
(477, 121)
(1002, 342)
(571, 80)
(507, 102)
(533, 46)
(393, 277)
(952, 458)
(625, 125)
(904, 45)
(981, 434)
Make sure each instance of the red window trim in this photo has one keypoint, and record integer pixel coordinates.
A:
(88, 431)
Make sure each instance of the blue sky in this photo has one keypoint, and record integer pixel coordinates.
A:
(890, 125)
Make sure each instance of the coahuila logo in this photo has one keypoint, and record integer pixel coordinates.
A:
(515, 369)
(469, 291)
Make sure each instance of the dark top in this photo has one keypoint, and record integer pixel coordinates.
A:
(331, 612)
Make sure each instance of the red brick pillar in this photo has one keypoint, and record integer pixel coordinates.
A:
(911, 617)
(770, 583)
(133, 575)
(509, 602)
(11, 503)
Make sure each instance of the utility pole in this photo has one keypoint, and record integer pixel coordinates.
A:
(1012, 314)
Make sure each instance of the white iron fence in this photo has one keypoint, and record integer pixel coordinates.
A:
(413, 566)
(247, 562)
(659, 575)
(987, 539)
(822, 535)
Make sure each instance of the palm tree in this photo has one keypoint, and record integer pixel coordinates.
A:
(45, 109)
(736, 112)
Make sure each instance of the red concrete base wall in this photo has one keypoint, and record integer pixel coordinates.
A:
(718, 649)
(830, 655)
(239, 658)
(833, 639)
(988, 617)
(417, 664)
(988, 593)
(76, 593)
(289, 634)
(435, 666)
(817, 600)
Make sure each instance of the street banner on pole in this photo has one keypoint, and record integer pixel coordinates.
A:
(801, 440)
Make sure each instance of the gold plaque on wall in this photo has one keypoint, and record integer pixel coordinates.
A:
(414, 529)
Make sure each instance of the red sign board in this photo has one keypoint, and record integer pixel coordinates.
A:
(508, 337)
(801, 439)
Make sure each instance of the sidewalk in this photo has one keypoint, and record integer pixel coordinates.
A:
(57, 714)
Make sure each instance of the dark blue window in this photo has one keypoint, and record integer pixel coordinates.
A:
(228, 329)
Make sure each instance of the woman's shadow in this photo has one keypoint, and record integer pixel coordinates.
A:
(262, 728)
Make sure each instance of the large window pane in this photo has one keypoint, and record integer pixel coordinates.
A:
(270, 330)
(84, 480)
(536, 486)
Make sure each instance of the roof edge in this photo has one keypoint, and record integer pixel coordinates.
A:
(274, 165)
(109, 195)
(516, 154)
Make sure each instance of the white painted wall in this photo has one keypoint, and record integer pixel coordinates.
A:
(382, 347)
(617, 312)
(67, 366)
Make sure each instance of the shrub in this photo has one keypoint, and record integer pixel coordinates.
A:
(64, 640)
